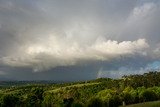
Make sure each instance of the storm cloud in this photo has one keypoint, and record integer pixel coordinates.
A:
(78, 40)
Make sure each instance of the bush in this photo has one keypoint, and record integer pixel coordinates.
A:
(95, 102)
(77, 104)
(67, 102)
(127, 98)
(114, 101)
(35, 98)
(9, 100)
(149, 95)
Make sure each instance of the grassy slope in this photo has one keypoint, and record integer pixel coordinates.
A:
(147, 104)
(52, 89)
(75, 85)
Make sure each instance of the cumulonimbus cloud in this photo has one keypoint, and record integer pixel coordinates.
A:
(55, 52)
(80, 35)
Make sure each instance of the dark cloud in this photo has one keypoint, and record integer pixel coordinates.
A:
(78, 40)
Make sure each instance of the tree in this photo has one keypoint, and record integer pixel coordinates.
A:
(95, 102)
(67, 102)
(35, 98)
(149, 95)
(127, 98)
(114, 101)
(9, 100)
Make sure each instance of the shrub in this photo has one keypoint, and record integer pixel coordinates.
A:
(35, 98)
(95, 102)
(67, 102)
(9, 100)
(127, 98)
(77, 104)
(148, 95)
(114, 101)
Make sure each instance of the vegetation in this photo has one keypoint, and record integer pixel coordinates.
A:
(146, 104)
(103, 92)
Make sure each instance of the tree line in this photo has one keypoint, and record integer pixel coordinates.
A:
(102, 92)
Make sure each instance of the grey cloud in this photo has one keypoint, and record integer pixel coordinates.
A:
(97, 35)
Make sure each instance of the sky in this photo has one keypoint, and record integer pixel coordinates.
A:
(73, 40)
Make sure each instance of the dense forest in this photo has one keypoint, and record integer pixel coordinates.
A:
(102, 92)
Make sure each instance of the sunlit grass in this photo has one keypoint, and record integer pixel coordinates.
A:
(76, 85)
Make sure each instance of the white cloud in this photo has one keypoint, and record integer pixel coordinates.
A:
(60, 52)
(123, 48)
